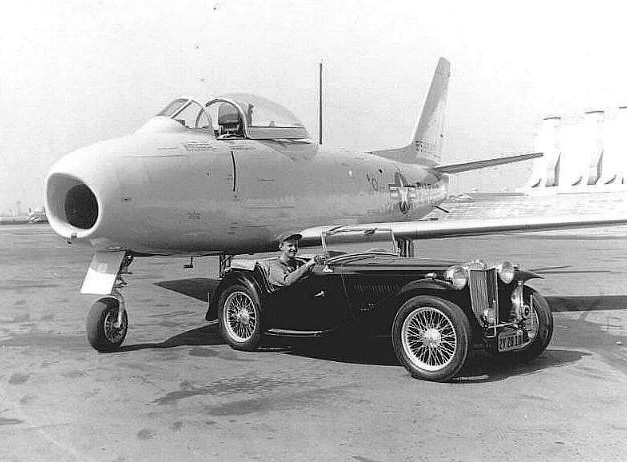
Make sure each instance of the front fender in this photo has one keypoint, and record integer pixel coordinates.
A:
(525, 275)
(232, 277)
(424, 286)
(421, 284)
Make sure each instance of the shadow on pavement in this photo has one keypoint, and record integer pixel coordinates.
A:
(588, 303)
(483, 367)
(206, 335)
(480, 366)
(197, 288)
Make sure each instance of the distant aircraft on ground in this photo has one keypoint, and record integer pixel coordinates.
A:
(37, 216)
(227, 177)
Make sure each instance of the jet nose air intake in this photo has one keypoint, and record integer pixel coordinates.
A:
(81, 207)
(72, 206)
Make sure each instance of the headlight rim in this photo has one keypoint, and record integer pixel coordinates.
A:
(506, 272)
(453, 274)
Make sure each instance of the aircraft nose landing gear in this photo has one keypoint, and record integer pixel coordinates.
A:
(107, 321)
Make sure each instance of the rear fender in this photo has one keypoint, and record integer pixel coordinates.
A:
(244, 277)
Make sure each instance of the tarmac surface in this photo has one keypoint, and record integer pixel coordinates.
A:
(177, 392)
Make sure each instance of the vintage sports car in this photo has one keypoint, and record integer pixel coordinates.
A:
(435, 311)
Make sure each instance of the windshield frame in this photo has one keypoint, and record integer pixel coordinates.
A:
(352, 234)
(172, 110)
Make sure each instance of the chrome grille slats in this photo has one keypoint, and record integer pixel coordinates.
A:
(483, 285)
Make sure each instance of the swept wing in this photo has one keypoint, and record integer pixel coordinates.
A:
(457, 228)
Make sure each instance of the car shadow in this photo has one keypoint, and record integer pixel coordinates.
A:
(482, 367)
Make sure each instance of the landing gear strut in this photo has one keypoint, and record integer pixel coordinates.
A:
(405, 247)
(225, 264)
(107, 321)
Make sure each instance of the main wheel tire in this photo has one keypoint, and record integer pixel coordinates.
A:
(540, 322)
(102, 333)
(431, 337)
(240, 318)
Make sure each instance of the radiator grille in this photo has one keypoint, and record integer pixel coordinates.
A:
(484, 292)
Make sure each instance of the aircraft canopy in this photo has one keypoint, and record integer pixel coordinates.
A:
(237, 115)
(254, 117)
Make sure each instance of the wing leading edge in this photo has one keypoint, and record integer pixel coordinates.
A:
(458, 228)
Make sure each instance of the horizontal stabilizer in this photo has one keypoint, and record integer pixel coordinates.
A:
(467, 166)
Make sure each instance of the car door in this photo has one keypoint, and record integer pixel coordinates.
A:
(316, 302)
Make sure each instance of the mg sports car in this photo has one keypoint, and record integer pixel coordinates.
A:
(435, 311)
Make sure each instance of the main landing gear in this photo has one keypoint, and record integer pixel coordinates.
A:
(405, 247)
(225, 264)
(107, 321)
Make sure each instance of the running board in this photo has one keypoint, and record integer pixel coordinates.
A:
(299, 333)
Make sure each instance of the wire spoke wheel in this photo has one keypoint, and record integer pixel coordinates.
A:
(240, 317)
(539, 327)
(429, 338)
(532, 323)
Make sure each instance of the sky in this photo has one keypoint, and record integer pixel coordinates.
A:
(75, 72)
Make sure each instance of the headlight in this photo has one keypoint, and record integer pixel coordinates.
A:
(506, 272)
(458, 276)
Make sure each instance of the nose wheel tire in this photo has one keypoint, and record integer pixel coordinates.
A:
(431, 337)
(239, 316)
(103, 332)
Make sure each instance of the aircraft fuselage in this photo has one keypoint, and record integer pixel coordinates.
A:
(192, 193)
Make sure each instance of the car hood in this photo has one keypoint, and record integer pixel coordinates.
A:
(394, 263)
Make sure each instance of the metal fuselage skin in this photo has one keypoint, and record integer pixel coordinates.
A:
(188, 192)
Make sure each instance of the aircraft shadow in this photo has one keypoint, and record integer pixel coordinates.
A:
(587, 303)
(206, 335)
(198, 288)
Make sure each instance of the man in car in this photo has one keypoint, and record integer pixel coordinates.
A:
(286, 269)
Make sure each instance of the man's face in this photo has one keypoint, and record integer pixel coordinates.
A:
(289, 248)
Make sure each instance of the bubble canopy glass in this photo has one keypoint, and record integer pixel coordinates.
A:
(245, 115)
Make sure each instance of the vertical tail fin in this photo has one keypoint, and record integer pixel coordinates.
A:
(425, 146)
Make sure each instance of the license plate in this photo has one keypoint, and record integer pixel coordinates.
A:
(510, 340)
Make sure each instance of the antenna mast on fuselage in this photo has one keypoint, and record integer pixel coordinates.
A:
(320, 103)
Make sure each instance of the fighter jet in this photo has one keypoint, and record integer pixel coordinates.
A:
(226, 177)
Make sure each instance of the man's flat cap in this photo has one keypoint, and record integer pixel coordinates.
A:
(289, 236)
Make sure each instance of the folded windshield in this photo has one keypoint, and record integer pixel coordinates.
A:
(347, 240)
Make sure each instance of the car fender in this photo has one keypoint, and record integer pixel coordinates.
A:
(421, 284)
(525, 275)
(232, 277)
(419, 287)
(434, 287)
